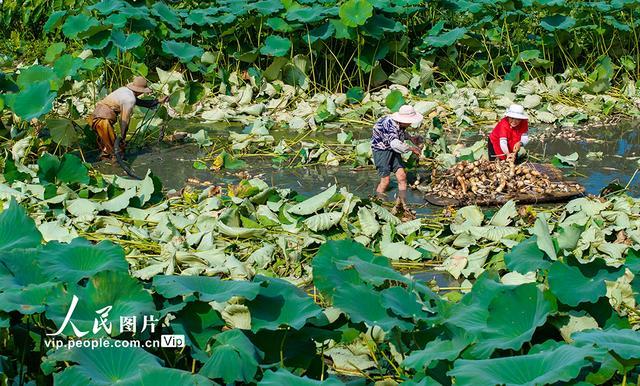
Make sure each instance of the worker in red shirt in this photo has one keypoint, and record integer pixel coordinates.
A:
(509, 135)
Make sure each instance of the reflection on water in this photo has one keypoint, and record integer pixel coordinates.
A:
(620, 146)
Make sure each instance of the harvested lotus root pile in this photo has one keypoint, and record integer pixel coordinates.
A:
(485, 179)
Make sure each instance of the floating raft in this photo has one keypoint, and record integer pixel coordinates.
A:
(554, 174)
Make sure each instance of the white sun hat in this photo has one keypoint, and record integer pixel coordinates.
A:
(407, 114)
(516, 111)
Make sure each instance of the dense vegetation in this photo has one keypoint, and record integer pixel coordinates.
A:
(549, 304)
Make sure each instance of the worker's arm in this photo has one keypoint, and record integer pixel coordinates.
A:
(151, 103)
(126, 109)
(524, 139)
(504, 145)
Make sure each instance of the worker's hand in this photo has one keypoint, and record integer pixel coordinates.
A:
(163, 99)
(511, 157)
(416, 151)
(517, 147)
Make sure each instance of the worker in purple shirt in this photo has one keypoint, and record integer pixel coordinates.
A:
(388, 145)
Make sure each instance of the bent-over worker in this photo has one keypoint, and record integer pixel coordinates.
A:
(510, 135)
(121, 101)
(388, 145)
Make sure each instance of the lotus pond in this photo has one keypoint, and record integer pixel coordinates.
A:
(251, 250)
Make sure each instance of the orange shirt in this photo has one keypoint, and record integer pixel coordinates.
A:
(504, 130)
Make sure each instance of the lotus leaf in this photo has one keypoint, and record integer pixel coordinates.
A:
(394, 100)
(315, 203)
(126, 42)
(279, 304)
(354, 13)
(447, 38)
(81, 259)
(624, 343)
(104, 366)
(75, 25)
(557, 22)
(284, 377)
(561, 364)
(276, 46)
(185, 52)
(206, 288)
(233, 358)
(34, 101)
(526, 257)
(323, 221)
(166, 14)
(17, 229)
(436, 350)
(54, 21)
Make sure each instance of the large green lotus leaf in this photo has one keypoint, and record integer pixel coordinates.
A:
(48, 165)
(11, 173)
(233, 358)
(315, 203)
(364, 304)
(103, 366)
(166, 14)
(126, 42)
(198, 322)
(17, 229)
(34, 101)
(446, 39)
(35, 74)
(20, 268)
(55, 19)
(72, 170)
(106, 7)
(355, 12)
(185, 52)
(118, 290)
(306, 14)
(75, 25)
(284, 377)
(557, 22)
(28, 300)
(548, 367)
(154, 375)
(435, 350)
(328, 275)
(80, 259)
(205, 288)
(67, 65)
(514, 316)
(472, 311)
(394, 100)
(403, 303)
(624, 343)
(526, 257)
(278, 24)
(279, 304)
(98, 40)
(572, 287)
(268, 7)
(323, 32)
(276, 46)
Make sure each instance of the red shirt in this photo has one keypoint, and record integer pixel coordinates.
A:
(504, 130)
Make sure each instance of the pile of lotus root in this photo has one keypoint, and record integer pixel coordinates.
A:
(483, 179)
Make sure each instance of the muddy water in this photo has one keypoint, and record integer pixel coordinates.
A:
(619, 144)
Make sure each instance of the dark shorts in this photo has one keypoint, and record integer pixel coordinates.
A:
(387, 161)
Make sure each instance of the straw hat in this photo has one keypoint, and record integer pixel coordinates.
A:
(139, 84)
(516, 111)
(407, 114)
